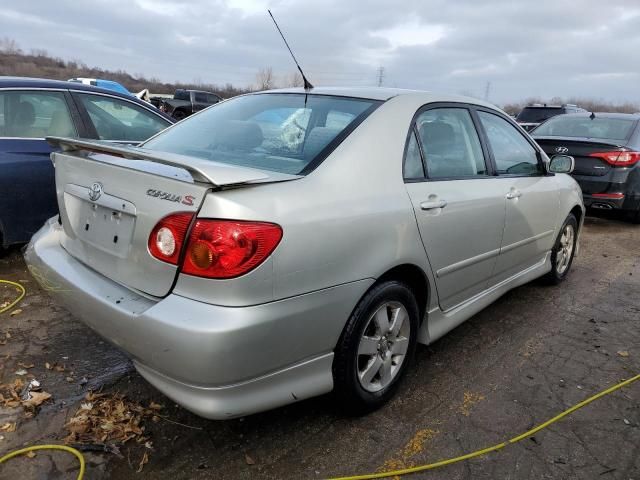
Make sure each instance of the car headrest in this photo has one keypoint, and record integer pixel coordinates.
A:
(437, 133)
(317, 139)
(239, 135)
(25, 114)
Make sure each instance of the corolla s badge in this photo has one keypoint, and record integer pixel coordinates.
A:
(562, 149)
(95, 191)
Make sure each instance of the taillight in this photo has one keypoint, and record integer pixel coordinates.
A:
(618, 158)
(168, 237)
(228, 248)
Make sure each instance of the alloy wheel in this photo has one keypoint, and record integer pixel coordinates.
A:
(383, 346)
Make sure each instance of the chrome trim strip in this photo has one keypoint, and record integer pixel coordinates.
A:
(526, 241)
(467, 262)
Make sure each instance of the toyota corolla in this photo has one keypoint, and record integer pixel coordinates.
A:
(284, 244)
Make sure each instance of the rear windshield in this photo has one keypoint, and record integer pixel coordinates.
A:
(283, 133)
(570, 126)
(537, 114)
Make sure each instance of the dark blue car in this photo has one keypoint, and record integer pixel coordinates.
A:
(32, 109)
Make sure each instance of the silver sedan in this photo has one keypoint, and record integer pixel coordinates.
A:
(284, 244)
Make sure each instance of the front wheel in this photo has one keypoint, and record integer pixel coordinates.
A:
(376, 347)
(563, 251)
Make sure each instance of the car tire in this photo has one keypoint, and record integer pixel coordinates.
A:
(563, 251)
(179, 115)
(375, 348)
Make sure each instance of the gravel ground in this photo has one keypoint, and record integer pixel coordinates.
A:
(530, 355)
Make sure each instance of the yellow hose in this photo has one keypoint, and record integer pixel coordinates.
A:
(64, 448)
(484, 451)
(20, 296)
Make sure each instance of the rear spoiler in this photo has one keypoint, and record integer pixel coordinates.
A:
(215, 173)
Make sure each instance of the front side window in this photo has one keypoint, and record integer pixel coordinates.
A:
(38, 114)
(512, 153)
(450, 143)
(115, 119)
(279, 132)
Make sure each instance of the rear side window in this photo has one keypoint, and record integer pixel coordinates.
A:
(181, 95)
(513, 154)
(283, 133)
(38, 114)
(537, 114)
(584, 126)
(200, 97)
(450, 143)
(115, 119)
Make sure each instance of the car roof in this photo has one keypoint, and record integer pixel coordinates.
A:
(382, 93)
(25, 82)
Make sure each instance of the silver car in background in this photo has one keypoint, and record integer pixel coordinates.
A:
(284, 244)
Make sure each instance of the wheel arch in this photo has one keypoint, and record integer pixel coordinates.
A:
(415, 278)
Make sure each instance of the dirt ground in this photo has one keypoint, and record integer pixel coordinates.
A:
(533, 353)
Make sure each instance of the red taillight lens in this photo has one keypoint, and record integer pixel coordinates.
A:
(619, 158)
(229, 248)
(614, 196)
(168, 237)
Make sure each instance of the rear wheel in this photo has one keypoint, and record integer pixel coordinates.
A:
(179, 115)
(376, 347)
(563, 250)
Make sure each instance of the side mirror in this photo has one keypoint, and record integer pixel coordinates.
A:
(562, 164)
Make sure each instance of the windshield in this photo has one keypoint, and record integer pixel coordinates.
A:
(278, 132)
(585, 127)
(537, 114)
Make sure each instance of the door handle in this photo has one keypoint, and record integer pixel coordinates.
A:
(433, 204)
(513, 193)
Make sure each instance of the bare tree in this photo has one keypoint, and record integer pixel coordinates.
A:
(294, 79)
(265, 79)
(10, 46)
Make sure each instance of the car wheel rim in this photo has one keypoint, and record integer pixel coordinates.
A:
(383, 346)
(565, 249)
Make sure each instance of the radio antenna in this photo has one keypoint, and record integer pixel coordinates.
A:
(307, 83)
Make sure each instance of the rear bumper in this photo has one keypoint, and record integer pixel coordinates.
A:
(219, 362)
(604, 189)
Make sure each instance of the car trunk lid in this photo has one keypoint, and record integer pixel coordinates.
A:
(110, 198)
(580, 149)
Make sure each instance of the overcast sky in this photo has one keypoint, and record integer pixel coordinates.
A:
(546, 48)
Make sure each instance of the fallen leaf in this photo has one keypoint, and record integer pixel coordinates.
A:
(48, 366)
(59, 368)
(155, 406)
(15, 312)
(36, 398)
(30, 454)
(8, 427)
(23, 365)
(623, 353)
(143, 462)
(21, 372)
(8, 335)
(69, 379)
(249, 460)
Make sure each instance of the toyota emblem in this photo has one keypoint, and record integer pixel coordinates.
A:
(562, 149)
(95, 191)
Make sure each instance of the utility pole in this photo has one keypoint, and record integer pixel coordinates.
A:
(487, 90)
(380, 76)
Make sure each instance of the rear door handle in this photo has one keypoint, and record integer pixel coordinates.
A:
(433, 204)
(513, 193)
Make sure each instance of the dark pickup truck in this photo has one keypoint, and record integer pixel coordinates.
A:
(186, 102)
